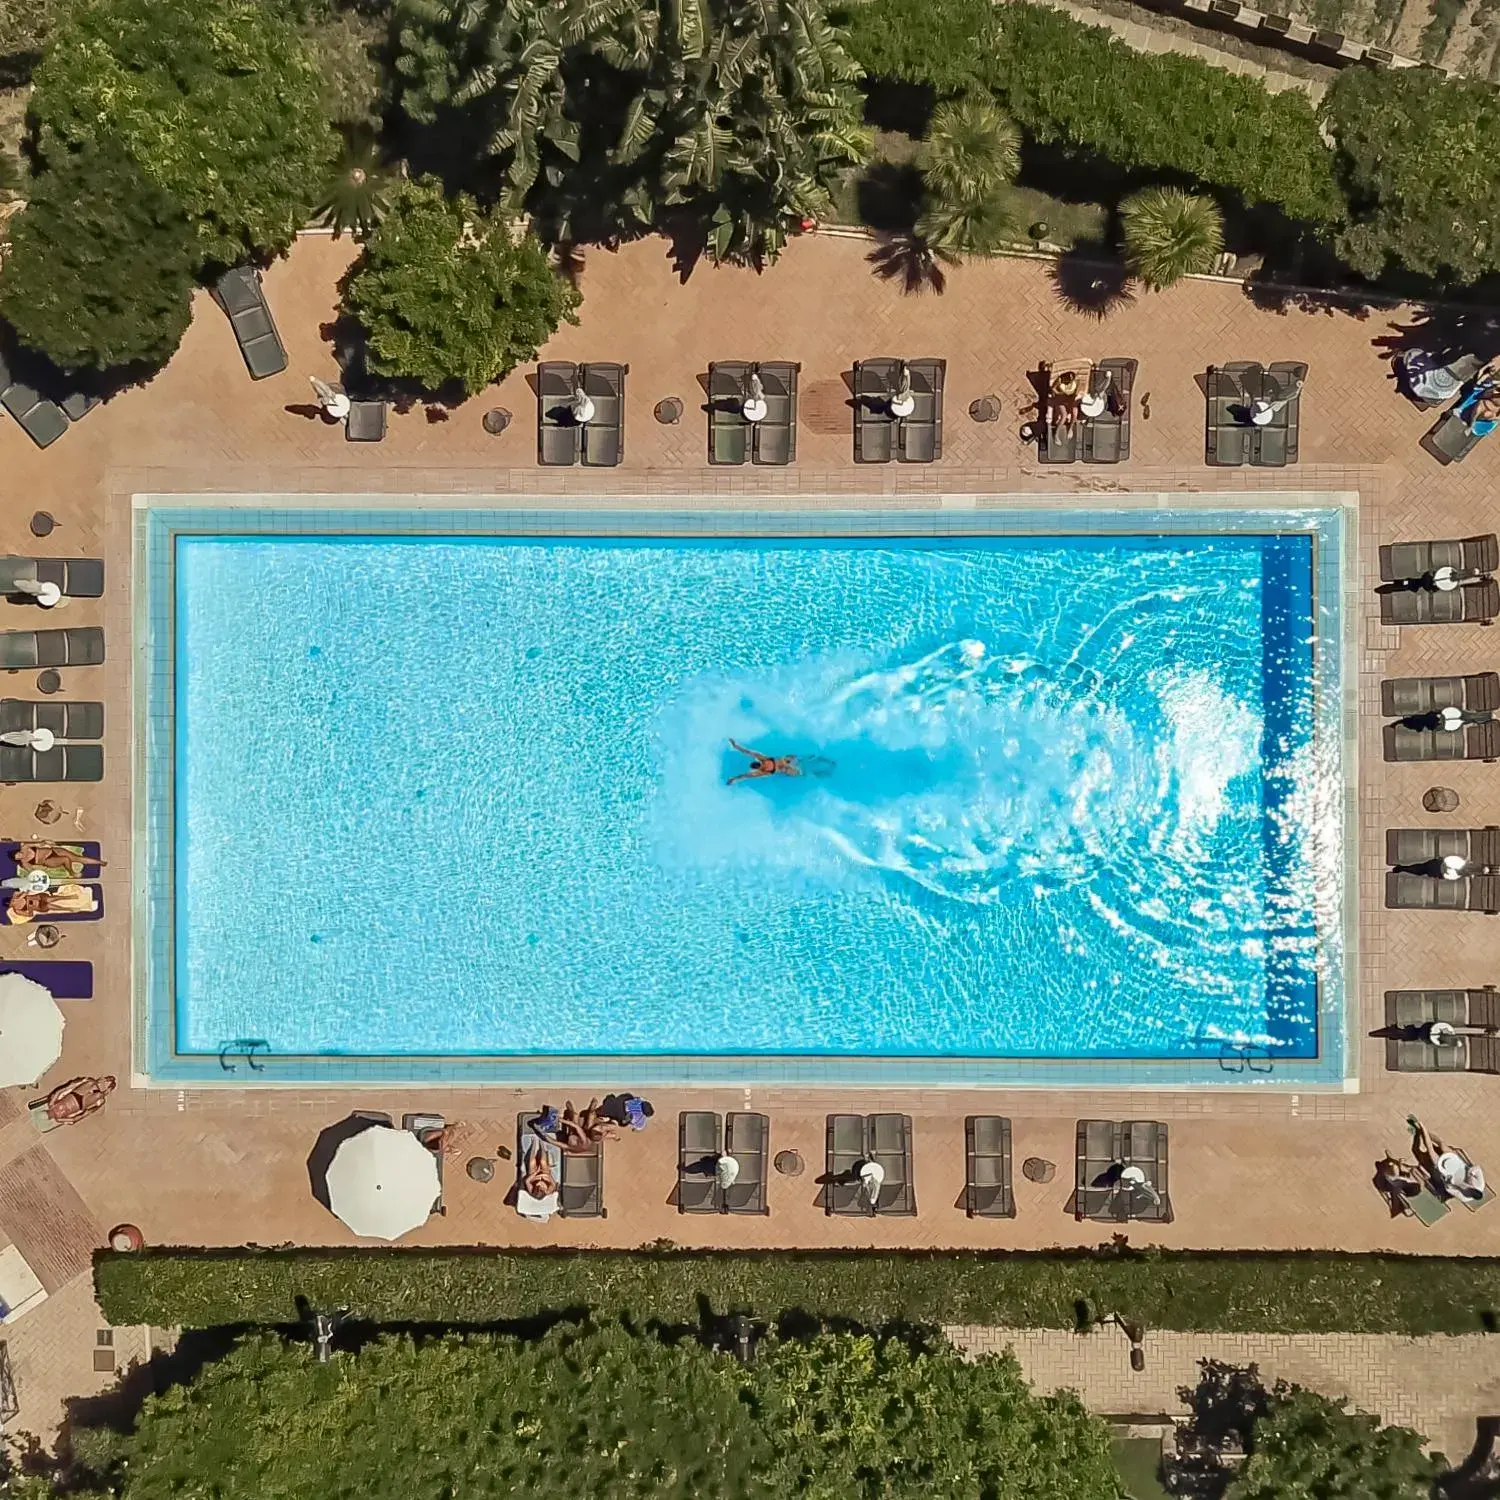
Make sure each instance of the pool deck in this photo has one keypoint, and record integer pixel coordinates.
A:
(1249, 1167)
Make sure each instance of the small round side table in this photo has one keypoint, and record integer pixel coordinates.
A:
(496, 420)
(49, 681)
(985, 409)
(790, 1163)
(1038, 1169)
(1440, 799)
(669, 411)
(126, 1237)
(480, 1168)
(43, 523)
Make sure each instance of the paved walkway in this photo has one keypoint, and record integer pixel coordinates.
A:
(1437, 1385)
(1146, 38)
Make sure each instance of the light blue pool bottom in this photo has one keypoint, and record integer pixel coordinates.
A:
(458, 795)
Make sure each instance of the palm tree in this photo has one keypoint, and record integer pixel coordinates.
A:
(972, 149)
(973, 227)
(359, 186)
(1170, 234)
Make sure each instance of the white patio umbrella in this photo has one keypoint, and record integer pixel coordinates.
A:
(382, 1182)
(31, 1028)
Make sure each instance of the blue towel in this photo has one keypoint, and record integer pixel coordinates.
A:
(635, 1112)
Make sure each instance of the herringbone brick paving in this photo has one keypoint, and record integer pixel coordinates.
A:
(1249, 1167)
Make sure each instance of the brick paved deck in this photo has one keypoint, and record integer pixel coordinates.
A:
(1249, 1168)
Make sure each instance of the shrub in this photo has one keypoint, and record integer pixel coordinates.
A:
(1418, 155)
(101, 263)
(1247, 1293)
(448, 296)
(216, 101)
(1170, 234)
(598, 1411)
(1063, 80)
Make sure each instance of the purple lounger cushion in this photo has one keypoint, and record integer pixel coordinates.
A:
(90, 851)
(67, 979)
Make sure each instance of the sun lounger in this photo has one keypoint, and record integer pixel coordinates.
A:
(60, 763)
(1227, 434)
(8, 852)
(527, 1141)
(238, 291)
(1411, 697)
(365, 422)
(73, 577)
(987, 1168)
(1274, 445)
(1057, 443)
(919, 437)
(428, 1128)
(1481, 742)
(43, 421)
(559, 439)
(748, 1141)
(85, 903)
(1104, 1148)
(1400, 561)
(1406, 892)
(64, 979)
(583, 1183)
(1406, 1010)
(1425, 379)
(728, 431)
(1451, 439)
(699, 1133)
(604, 434)
(775, 438)
(1424, 1205)
(889, 1143)
(874, 427)
(1471, 603)
(82, 646)
(845, 1150)
(1106, 438)
(67, 721)
(1425, 846)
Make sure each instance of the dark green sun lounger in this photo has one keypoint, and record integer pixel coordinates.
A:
(699, 1133)
(987, 1168)
(60, 763)
(1400, 561)
(604, 436)
(74, 577)
(1479, 742)
(240, 294)
(728, 431)
(874, 426)
(1470, 604)
(68, 721)
(845, 1150)
(559, 439)
(1106, 438)
(920, 436)
(775, 438)
(82, 646)
(1406, 1010)
(748, 1141)
(1412, 697)
(1227, 434)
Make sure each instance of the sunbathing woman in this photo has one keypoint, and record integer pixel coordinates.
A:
(764, 765)
(69, 858)
(82, 1096)
(66, 900)
(580, 1133)
(539, 1181)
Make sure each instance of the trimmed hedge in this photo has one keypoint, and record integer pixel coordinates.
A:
(1189, 1292)
(1063, 80)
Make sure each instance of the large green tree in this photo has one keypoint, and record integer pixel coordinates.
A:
(739, 112)
(600, 1412)
(218, 102)
(1307, 1447)
(448, 295)
(101, 262)
(1418, 154)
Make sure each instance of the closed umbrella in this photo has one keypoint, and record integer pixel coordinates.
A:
(382, 1182)
(31, 1028)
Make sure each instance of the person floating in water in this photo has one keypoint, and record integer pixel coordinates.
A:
(764, 765)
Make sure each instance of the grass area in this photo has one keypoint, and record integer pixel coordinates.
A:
(1275, 1293)
(1139, 1463)
(886, 194)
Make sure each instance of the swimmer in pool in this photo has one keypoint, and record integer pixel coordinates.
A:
(764, 765)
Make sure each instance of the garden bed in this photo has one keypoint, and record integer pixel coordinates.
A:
(1188, 1292)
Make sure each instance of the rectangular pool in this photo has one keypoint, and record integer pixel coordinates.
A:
(1065, 798)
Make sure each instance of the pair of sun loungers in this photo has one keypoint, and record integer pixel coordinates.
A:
(1231, 437)
(853, 1140)
(1104, 439)
(1408, 596)
(1407, 1011)
(1415, 882)
(41, 418)
(578, 1174)
(1120, 1172)
(561, 438)
(732, 437)
(879, 433)
(1417, 702)
(702, 1137)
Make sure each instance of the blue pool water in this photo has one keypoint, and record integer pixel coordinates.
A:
(467, 796)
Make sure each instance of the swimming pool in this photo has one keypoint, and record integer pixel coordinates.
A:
(1069, 797)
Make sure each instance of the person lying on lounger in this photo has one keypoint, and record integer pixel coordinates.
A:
(539, 1181)
(579, 1133)
(66, 900)
(764, 765)
(69, 858)
(77, 1098)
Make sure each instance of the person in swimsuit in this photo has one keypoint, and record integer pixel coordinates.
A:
(539, 1181)
(82, 1096)
(764, 765)
(42, 856)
